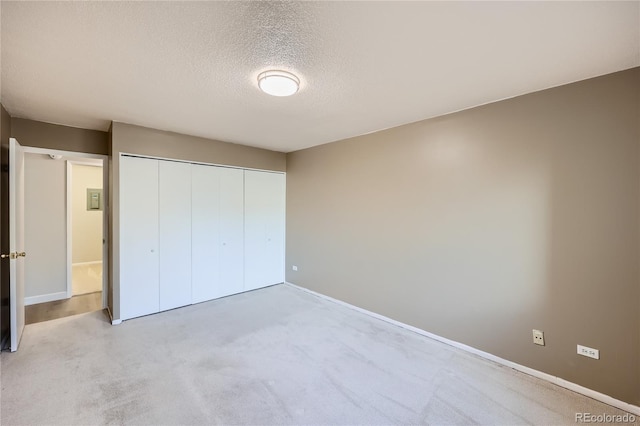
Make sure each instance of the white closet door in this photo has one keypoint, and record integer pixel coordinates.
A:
(205, 223)
(175, 234)
(275, 230)
(231, 231)
(139, 276)
(264, 228)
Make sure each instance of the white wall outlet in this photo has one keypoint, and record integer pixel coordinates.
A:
(294, 267)
(538, 337)
(590, 352)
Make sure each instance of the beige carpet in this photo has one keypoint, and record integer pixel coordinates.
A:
(268, 357)
(86, 278)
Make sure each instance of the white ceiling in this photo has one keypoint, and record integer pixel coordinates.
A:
(191, 67)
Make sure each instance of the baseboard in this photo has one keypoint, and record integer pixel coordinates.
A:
(33, 300)
(113, 321)
(94, 262)
(633, 409)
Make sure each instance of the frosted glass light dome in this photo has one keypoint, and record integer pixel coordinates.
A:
(278, 83)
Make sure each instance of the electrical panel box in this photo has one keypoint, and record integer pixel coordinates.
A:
(94, 199)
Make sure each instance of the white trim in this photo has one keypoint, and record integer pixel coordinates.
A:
(45, 298)
(94, 262)
(113, 321)
(633, 409)
(105, 233)
(74, 154)
(152, 157)
(69, 241)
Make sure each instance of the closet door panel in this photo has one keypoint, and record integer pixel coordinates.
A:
(139, 274)
(231, 231)
(254, 231)
(205, 214)
(175, 234)
(264, 229)
(275, 188)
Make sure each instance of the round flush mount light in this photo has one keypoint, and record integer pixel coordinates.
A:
(278, 83)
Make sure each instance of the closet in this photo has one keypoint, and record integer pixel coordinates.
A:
(191, 233)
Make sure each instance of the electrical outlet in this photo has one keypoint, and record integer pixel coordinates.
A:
(538, 337)
(294, 267)
(589, 352)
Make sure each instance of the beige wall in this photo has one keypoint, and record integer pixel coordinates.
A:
(86, 229)
(53, 136)
(482, 225)
(45, 225)
(130, 139)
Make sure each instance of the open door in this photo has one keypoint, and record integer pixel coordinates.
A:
(16, 241)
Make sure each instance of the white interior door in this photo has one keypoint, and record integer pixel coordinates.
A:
(231, 231)
(16, 241)
(175, 234)
(264, 228)
(275, 229)
(139, 261)
(254, 231)
(205, 236)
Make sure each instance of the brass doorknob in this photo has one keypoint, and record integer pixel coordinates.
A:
(13, 255)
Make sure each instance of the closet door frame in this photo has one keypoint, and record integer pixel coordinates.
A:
(118, 257)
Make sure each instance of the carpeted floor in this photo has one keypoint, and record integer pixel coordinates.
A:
(271, 356)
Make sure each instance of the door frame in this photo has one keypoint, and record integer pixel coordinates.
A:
(77, 158)
(83, 161)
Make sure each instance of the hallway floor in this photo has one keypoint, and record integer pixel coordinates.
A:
(86, 278)
(86, 284)
(63, 308)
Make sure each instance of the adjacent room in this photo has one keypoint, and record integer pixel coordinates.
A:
(323, 213)
(86, 228)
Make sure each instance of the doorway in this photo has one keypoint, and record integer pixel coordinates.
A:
(66, 241)
(85, 206)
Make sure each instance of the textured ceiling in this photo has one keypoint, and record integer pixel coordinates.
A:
(191, 67)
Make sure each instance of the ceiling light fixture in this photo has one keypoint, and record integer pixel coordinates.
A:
(278, 83)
